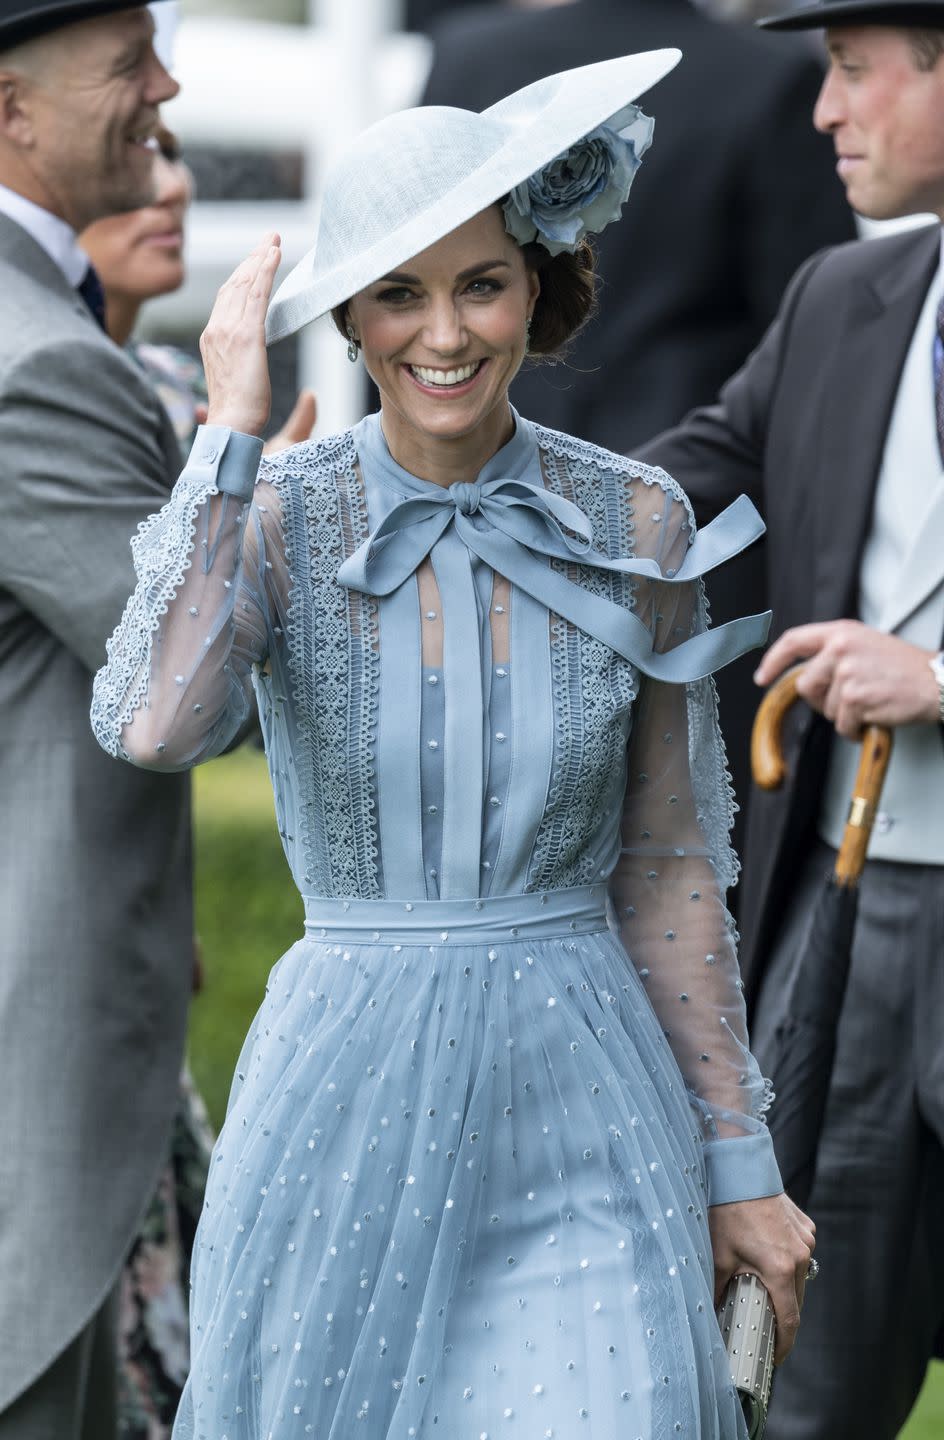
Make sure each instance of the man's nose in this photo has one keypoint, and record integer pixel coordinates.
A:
(161, 84)
(828, 112)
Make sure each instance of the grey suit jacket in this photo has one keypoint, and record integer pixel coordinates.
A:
(95, 891)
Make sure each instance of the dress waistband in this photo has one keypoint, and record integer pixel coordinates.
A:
(549, 913)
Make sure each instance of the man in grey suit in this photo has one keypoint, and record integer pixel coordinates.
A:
(95, 888)
(835, 427)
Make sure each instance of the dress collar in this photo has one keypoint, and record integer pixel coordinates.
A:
(517, 459)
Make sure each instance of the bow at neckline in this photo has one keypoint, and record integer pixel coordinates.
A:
(517, 526)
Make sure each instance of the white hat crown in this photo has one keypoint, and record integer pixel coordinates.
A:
(430, 151)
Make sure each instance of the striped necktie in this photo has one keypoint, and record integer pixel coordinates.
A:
(94, 297)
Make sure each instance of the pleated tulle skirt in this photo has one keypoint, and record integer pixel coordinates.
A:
(458, 1193)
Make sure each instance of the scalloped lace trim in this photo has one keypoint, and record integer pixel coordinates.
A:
(162, 551)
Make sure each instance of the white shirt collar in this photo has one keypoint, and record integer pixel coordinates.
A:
(55, 236)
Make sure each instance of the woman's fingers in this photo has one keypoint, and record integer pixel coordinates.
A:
(233, 343)
(774, 1240)
(235, 293)
(260, 288)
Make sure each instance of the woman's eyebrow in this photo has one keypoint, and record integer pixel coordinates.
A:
(400, 277)
(480, 269)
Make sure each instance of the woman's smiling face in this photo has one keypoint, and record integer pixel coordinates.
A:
(444, 335)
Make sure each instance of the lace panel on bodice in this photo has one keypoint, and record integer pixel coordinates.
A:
(335, 672)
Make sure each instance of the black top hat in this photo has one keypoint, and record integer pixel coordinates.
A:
(859, 12)
(22, 19)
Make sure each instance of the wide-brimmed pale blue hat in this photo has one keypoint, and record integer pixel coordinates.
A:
(417, 175)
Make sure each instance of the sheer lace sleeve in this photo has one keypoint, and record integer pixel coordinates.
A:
(669, 885)
(212, 587)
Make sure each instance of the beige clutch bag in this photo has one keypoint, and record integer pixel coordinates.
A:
(746, 1318)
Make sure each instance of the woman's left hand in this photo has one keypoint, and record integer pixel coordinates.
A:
(774, 1240)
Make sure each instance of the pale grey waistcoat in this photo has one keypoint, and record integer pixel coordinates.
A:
(901, 591)
(95, 904)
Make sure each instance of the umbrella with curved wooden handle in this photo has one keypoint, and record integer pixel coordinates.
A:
(769, 769)
(805, 1040)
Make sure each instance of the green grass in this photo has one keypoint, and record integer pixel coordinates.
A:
(927, 1419)
(248, 913)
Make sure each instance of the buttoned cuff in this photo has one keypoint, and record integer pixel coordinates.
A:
(228, 458)
(742, 1167)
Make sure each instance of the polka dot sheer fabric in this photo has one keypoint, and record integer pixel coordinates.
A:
(463, 1181)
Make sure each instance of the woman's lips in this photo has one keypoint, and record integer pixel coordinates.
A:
(446, 392)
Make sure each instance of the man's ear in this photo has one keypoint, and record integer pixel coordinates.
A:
(16, 121)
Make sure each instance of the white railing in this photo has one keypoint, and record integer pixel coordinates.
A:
(281, 87)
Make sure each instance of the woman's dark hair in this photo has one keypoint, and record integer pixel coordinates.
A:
(566, 302)
(339, 316)
(567, 298)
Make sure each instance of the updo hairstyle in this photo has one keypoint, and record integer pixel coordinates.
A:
(567, 299)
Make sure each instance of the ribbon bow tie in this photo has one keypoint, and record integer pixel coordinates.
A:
(516, 527)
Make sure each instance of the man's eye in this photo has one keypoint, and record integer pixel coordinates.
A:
(127, 64)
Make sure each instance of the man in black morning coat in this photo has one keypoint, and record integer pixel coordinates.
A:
(834, 428)
(735, 193)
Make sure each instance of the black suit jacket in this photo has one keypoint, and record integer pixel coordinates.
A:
(801, 429)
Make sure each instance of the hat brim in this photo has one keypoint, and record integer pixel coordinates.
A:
(42, 19)
(851, 12)
(577, 101)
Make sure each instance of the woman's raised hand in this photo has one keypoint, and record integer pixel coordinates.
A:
(233, 344)
(774, 1240)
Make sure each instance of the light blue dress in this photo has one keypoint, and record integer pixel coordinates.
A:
(461, 1189)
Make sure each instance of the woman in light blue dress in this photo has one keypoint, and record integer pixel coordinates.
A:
(498, 1092)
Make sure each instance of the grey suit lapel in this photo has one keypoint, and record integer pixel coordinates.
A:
(870, 344)
(23, 253)
(19, 249)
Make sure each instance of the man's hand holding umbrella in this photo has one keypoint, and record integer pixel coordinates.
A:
(856, 676)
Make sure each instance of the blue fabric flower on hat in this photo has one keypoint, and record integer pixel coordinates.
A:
(582, 190)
